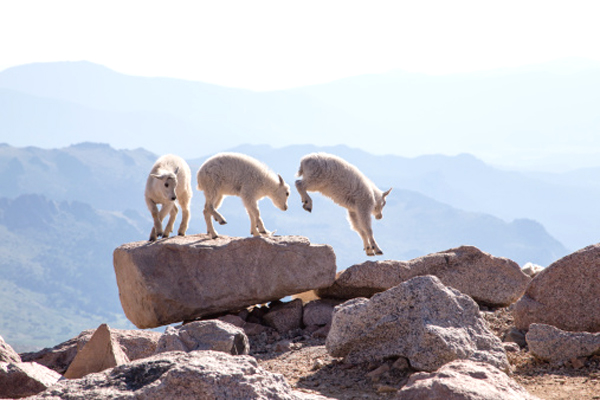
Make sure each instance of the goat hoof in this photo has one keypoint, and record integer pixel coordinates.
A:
(222, 222)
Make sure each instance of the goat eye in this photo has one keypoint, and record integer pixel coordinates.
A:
(166, 185)
(287, 193)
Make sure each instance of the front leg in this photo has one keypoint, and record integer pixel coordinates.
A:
(157, 228)
(306, 200)
(172, 215)
(256, 224)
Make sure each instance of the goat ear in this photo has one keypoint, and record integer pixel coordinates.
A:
(176, 170)
(281, 182)
(156, 176)
(386, 193)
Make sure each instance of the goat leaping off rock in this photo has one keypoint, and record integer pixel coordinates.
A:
(239, 175)
(169, 180)
(346, 186)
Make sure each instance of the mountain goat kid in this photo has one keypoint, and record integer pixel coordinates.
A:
(169, 180)
(346, 186)
(239, 175)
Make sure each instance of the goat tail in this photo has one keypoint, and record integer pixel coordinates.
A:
(300, 172)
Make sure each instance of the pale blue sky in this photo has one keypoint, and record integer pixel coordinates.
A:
(265, 45)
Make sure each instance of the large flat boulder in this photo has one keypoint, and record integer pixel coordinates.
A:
(566, 294)
(489, 280)
(183, 278)
(421, 320)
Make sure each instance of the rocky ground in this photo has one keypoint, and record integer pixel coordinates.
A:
(303, 360)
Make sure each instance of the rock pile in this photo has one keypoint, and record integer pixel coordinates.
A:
(418, 315)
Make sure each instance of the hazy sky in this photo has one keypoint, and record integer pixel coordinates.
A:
(264, 45)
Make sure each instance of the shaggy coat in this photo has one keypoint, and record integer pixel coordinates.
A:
(234, 174)
(346, 186)
(169, 180)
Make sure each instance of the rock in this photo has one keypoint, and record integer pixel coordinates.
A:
(205, 335)
(322, 332)
(428, 323)
(318, 312)
(531, 269)
(401, 364)
(515, 335)
(180, 375)
(233, 320)
(554, 345)
(101, 352)
(285, 316)
(7, 353)
(187, 277)
(489, 280)
(135, 343)
(252, 329)
(463, 380)
(511, 347)
(566, 294)
(22, 379)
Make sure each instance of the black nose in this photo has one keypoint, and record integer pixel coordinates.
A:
(173, 198)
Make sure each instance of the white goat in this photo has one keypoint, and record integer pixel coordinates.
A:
(169, 180)
(346, 186)
(239, 175)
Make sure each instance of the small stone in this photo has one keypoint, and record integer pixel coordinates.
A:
(283, 346)
(516, 336)
(253, 329)
(401, 364)
(511, 347)
(233, 320)
(386, 389)
(376, 374)
(578, 363)
(318, 364)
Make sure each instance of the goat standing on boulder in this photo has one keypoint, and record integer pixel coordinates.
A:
(169, 180)
(239, 175)
(346, 186)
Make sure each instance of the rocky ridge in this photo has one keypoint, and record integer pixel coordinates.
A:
(294, 339)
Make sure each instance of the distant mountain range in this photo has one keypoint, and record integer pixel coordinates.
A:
(546, 114)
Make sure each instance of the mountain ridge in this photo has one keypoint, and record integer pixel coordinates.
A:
(535, 114)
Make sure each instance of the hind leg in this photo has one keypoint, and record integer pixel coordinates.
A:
(185, 217)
